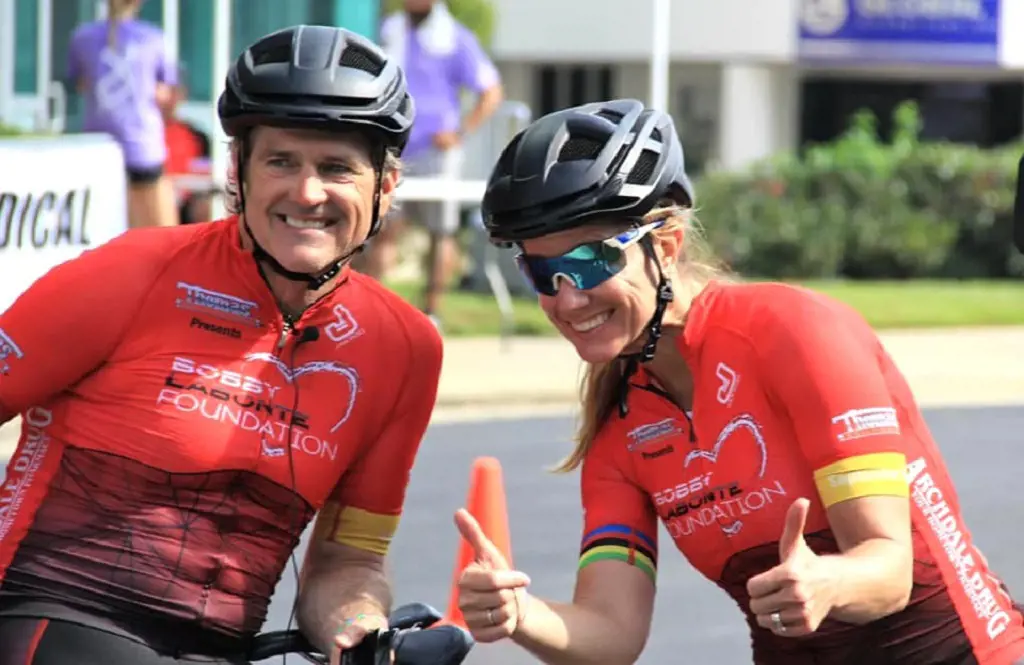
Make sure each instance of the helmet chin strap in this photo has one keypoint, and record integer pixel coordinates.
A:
(646, 354)
(314, 281)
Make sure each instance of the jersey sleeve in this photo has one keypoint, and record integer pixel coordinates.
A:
(69, 321)
(473, 68)
(619, 522)
(829, 379)
(364, 509)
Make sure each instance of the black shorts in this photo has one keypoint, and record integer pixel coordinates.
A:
(54, 642)
(144, 176)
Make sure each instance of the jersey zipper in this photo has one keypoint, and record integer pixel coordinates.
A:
(287, 326)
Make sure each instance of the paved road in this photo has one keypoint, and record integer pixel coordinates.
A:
(981, 446)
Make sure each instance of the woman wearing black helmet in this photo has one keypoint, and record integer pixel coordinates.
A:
(763, 425)
(227, 382)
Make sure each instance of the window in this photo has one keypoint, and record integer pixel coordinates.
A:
(26, 44)
(560, 86)
(984, 114)
(195, 47)
(65, 15)
(250, 20)
(152, 11)
(696, 124)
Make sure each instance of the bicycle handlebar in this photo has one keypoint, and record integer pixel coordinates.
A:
(409, 640)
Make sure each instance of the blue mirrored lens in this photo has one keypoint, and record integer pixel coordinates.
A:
(586, 267)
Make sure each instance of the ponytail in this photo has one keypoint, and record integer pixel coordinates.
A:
(116, 10)
(598, 396)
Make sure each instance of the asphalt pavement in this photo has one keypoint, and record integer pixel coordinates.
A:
(982, 447)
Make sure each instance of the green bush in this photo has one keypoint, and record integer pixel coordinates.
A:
(864, 208)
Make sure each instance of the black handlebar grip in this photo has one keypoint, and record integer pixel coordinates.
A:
(441, 645)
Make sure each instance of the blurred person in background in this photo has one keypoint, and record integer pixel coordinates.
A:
(188, 161)
(441, 58)
(120, 66)
(763, 424)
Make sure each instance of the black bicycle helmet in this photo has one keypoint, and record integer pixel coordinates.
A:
(614, 158)
(317, 77)
(607, 159)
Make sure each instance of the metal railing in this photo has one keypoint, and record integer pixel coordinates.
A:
(495, 265)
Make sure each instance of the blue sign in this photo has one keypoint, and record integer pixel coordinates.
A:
(952, 32)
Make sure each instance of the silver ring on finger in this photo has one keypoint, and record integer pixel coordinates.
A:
(490, 617)
(777, 623)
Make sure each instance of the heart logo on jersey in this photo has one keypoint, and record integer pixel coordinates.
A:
(740, 447)
(348, 374)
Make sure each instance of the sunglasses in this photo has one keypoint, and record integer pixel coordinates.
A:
(585, 266)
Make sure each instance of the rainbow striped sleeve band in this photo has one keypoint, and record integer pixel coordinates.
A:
(619, 542)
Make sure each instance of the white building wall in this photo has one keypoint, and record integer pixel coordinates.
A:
(604, 30)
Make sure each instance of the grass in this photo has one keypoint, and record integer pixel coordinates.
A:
(932, 304)
(910, 304)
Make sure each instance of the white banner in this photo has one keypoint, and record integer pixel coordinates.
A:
(58, 198)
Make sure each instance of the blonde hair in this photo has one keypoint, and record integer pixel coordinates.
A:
(233, 194)
(599, 386)
(117, 10)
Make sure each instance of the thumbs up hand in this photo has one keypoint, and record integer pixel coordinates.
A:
(794, 597)
(492, 596)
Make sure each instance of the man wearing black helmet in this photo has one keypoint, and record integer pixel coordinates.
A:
(226, 382)
(762, 425)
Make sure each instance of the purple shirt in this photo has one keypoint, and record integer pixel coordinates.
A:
(436, 81)
(120, 86)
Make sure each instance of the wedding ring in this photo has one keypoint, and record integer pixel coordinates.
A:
(777, 622)
(490, 617)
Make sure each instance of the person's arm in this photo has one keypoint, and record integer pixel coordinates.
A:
(609, 618)
(831, 383)
(477, 72)
(166, 78)
(344, 576)
(71, 319)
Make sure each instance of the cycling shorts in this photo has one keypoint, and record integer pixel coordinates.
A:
(144, 176)
(29, 641)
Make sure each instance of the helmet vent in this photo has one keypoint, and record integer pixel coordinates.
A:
(579, 148)
(403, 107)
(276, 48)
(644, 169)
(355, 57)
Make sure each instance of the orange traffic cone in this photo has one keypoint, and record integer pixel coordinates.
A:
(486, 502)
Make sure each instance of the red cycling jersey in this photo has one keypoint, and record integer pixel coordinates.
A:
(795, 397)
(179, 434)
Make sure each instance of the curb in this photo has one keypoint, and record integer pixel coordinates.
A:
(510, 398)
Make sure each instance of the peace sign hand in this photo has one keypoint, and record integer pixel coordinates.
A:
(794, 597)
(492, 596)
